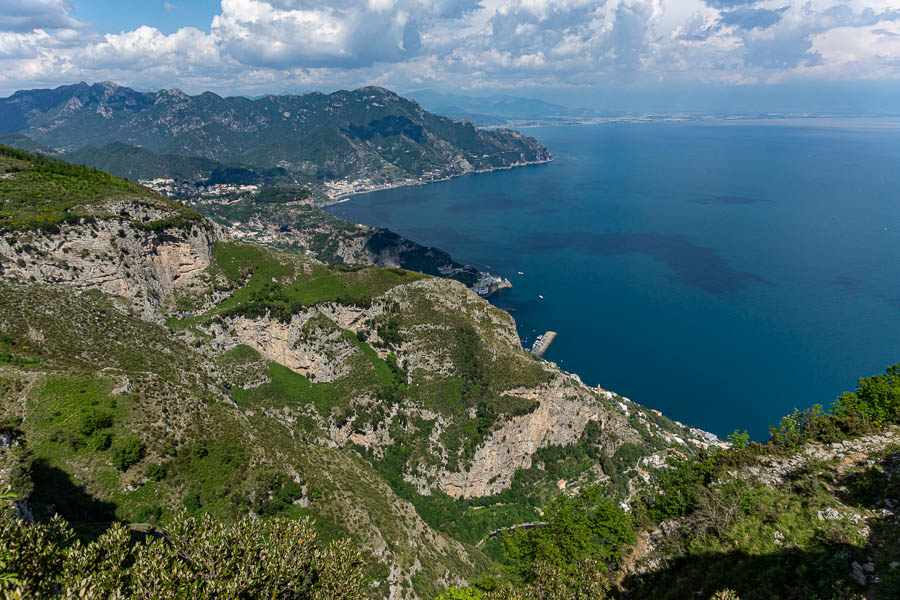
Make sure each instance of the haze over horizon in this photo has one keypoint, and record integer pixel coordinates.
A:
(643, 55)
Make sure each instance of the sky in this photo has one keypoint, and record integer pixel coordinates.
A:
(788, 55)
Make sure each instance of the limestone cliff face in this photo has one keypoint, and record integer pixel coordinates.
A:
(311, 344)
(151, 267)
(144, 266)
(563, 412)
(314, 344)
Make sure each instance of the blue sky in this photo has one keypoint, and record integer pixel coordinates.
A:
(128, 15)
(812, 55)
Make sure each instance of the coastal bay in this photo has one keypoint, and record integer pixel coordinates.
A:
(722, 272)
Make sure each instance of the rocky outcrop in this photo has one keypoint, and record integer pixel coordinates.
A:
(144, 266)
(559, 419)
(300, 226)
(565, 406)
(774, 471)
(311, 344)
(841, 461)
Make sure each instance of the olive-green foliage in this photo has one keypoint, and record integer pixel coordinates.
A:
(156, 472)
(875, 403)
(587, 579)
(195, 558)
(677, 489)
(877, 398)
(127, 452)
(589, 526)
(38, 192)
(739, 439)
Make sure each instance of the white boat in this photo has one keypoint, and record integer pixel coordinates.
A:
(541, 297)
(521, 273)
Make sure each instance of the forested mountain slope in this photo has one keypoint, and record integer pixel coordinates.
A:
(368, 137)
(152, 364)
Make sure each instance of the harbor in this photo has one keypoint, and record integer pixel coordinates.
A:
(543, 342)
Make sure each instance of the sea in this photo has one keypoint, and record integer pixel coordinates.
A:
(724, 272)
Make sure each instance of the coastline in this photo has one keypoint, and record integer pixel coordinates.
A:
(490, 284)
(345, 196)
(487, 284)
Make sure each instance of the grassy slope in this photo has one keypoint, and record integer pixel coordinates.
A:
(214, 456)
(228, 432)
(37, 192)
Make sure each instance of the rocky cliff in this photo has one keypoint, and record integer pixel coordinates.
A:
(146, 266)
(163, 365)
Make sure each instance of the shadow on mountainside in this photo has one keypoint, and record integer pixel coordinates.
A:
(792, 574)
(823, 569)
(55, 492)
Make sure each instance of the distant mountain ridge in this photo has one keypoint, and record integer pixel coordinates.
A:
(498, 104)
(369, 136)
(498, 109)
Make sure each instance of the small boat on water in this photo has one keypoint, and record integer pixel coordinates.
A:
(541, 297)
(521, 273)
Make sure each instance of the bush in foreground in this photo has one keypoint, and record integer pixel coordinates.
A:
(195, 558)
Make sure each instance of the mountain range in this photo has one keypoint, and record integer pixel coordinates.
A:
(212, 394)
(353, 140)
(153, 363)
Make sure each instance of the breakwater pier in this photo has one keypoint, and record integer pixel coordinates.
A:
(543, 342)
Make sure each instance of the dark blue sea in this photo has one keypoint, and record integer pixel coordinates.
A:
(724, 272)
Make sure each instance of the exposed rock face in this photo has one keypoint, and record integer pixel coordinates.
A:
(311, 344)
(562, 414)
(150, 267)
(775, 471)
(144, 266)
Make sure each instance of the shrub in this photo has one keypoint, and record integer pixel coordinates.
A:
(148, 513)
(290, 491)
(588, 527)
(195, 558)
(127, 452)
(156, 472)
(192, 502)
(677, 489)
(738, 439)
(101, 440)
(877, 398)
(93, 420)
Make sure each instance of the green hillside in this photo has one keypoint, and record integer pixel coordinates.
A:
(156, 374)
(152, 365)
(37, 192)
(368, 135)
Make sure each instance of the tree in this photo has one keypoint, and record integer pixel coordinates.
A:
(195, 558)
(127, 452)
(588, 527)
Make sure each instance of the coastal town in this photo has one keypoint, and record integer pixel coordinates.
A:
(204, 193)
(338, 190)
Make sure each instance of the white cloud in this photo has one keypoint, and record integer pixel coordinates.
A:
(27, 15)
(257, 46)
(871, 50)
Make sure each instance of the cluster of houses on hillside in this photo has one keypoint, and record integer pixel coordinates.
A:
(177, 188)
